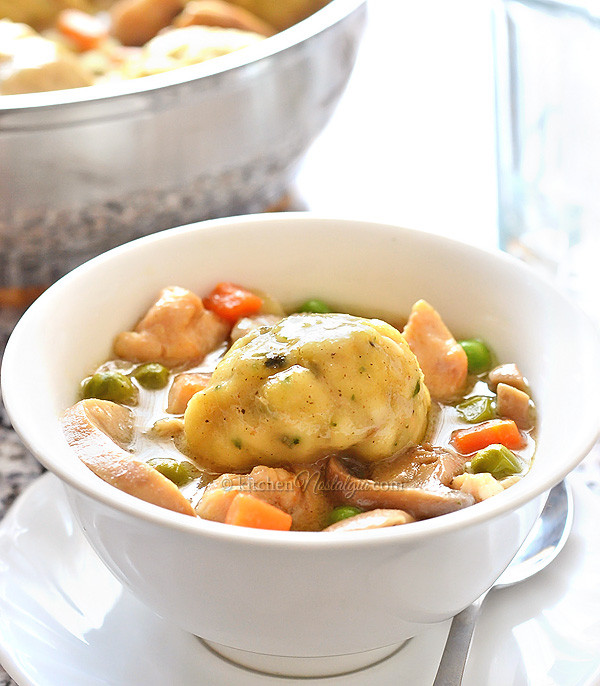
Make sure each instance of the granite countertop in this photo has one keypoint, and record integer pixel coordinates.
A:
(18, 468)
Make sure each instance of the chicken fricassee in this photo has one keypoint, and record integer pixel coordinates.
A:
(230, 409)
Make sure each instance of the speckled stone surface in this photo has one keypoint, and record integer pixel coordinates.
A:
(18, 468)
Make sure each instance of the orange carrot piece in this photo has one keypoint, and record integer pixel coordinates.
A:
(503, 431)
(84, 30)
(232, 302)
(248, 510)
(19, 297)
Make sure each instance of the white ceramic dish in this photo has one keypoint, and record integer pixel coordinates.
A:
(270, 593)
(74, 623)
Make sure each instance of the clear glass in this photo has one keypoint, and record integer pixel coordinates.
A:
(548, 134)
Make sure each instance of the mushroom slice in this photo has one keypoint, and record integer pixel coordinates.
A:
(514, 404)
(422, 466)
(373, 519)
(510, 375)
(419, 502)
(98, 430)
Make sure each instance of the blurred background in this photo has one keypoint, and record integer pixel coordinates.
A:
(412, 140)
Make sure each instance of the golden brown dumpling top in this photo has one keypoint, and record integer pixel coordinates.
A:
(307, 386)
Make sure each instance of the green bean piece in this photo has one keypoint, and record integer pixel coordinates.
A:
(316, 306)
(110, 385)
(180, 473)
(479, 356)
(342, 512)
(477, 408)
(152, 376)
(496, 459)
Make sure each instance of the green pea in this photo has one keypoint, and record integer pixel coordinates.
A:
(496, 459)
(477, 408)
(316, 306)
(152, 376)
(342, 512)
(479, 356)
(110, 385)
(179, 473)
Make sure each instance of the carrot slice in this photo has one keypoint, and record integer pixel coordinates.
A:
(83, 29)
(232, 302)
(247, 510)
(503, 431)
(19, 297)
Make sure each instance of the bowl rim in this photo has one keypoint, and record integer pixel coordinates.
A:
(318, 22)
(513, 498)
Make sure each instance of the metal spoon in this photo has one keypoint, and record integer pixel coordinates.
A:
(541, 546)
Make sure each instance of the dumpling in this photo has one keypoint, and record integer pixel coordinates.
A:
(182, 47)
(310, 385)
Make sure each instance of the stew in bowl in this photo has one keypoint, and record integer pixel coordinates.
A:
(235, 409)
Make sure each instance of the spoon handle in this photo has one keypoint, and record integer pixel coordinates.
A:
(454, 657)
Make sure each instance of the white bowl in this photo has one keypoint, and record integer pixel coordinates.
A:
(262, 596)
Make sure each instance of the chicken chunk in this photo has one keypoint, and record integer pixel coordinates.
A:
(177, 330)
(310, 385)
(135, 22)
(184, 386)
(442, 359)
(97, 430)
(282, 14)
(169, 427)
(297, 494)
(30, 63)
(223, 14)
(11, 31)
(480, 486)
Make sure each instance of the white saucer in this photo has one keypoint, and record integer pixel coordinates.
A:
(64, 619)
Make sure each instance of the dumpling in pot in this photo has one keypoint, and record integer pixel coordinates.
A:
(310, 385)
(182, 47)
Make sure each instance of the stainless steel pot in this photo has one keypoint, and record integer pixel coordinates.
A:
(87, 169)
